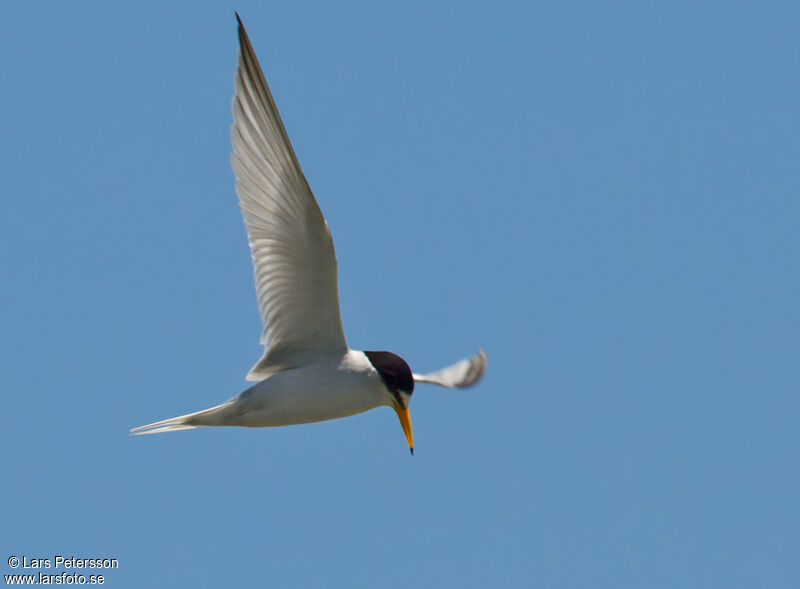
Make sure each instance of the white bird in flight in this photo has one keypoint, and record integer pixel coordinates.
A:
(307, 372)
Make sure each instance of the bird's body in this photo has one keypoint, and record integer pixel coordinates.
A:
(328, 389)
(307, 372)
(333, 387)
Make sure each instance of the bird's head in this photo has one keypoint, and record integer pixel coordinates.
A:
(399, 382)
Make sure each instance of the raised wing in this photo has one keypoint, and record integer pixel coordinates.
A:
(293, 257)
(462, 374)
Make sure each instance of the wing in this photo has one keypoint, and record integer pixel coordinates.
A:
(293, 257)
(459, 375)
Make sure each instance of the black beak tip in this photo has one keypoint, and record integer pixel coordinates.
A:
(412, 450)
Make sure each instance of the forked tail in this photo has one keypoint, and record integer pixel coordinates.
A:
(189, 421)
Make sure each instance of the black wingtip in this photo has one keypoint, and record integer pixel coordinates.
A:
(241, 31)
(412, 450)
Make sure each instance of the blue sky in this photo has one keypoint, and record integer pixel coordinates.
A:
(604, 196)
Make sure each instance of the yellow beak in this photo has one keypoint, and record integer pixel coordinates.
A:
(405, 421)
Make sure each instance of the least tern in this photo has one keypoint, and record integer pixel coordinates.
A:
(307, 372)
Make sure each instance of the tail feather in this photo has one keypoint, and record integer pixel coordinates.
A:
(162, 429)
(174, 424)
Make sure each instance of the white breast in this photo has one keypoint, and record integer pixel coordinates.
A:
(336, 387)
